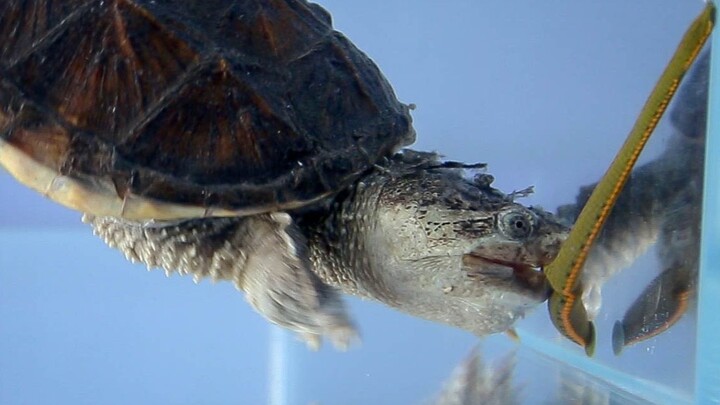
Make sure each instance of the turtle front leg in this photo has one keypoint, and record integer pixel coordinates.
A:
(264, 255)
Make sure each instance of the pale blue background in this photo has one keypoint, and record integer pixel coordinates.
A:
(542, 91)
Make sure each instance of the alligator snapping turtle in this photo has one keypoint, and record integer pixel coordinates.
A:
(249, 141)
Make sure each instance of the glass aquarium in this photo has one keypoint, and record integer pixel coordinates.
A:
(545, 95)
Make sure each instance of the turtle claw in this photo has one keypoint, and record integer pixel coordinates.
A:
(312, 340)
(341, 337)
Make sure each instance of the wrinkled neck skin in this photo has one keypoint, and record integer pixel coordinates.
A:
(425, 240)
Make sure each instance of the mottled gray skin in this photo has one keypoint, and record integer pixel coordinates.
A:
(414, 238)
(413, 234)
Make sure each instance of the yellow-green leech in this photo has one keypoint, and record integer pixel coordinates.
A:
(565, 305)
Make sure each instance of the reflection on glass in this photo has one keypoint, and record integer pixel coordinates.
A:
(660, 206)
(659, 213)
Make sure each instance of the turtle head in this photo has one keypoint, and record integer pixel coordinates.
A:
(517, 244)
(456, 250)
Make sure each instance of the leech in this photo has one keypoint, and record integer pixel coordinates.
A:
(565, 305)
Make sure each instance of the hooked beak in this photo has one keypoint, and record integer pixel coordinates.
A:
(522, 278)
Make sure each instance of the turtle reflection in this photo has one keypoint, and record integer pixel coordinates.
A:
(476, 381)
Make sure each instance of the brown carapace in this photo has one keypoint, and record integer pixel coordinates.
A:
(178, 109)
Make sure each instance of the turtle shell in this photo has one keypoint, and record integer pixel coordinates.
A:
(174, 109)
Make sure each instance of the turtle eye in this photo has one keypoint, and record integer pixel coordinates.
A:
(516, 225)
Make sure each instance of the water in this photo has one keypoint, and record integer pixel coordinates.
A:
(544, 94)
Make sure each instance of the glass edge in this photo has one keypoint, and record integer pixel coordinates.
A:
(707, 389)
